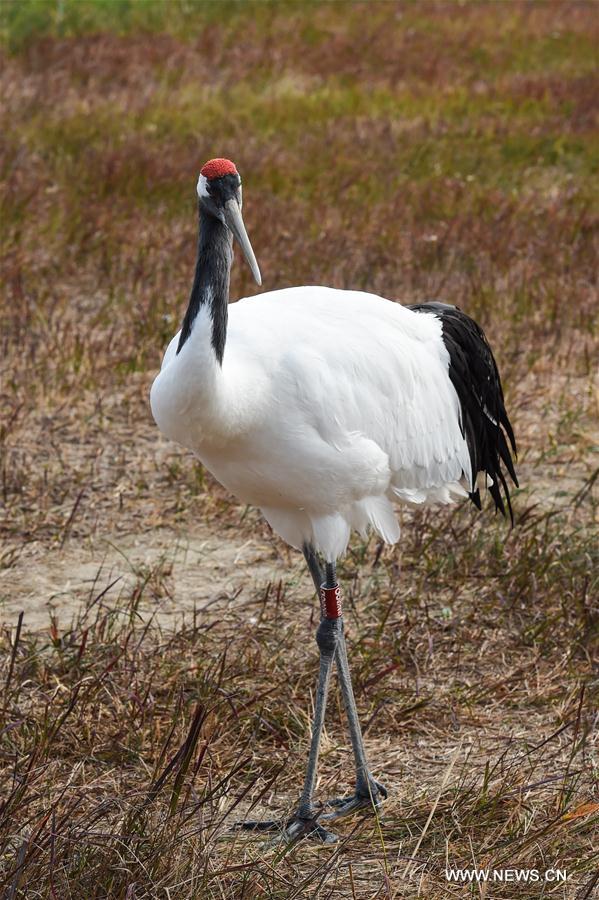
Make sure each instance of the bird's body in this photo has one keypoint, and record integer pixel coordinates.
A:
(329, 405)
(323, 408)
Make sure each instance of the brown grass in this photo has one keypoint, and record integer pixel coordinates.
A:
(415, 150)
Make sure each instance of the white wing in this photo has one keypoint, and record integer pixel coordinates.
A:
(335, 402)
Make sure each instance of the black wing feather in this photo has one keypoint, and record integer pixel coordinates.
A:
(475, 377)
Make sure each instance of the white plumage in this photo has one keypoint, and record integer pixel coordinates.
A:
(322, 408)
(329, 405)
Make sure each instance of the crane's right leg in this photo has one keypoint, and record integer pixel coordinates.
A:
(369, 793)
(304, 822)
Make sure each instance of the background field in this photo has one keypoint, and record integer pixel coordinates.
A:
(159, 684)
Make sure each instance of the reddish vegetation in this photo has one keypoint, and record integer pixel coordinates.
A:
(414, 150)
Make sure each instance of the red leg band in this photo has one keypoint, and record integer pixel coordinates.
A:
(330, 602)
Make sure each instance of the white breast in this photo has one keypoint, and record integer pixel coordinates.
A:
(329, 404)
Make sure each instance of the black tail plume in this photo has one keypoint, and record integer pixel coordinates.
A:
(485, 424)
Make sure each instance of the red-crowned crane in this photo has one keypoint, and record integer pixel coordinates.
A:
(322, 407)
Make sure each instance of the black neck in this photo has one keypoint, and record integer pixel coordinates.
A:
(211, 281)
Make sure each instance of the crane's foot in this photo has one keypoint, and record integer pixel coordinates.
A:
(367, 799)
(296, 829)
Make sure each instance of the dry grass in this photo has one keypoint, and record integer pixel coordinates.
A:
(414, 150)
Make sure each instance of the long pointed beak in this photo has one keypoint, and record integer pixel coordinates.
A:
(234, 222)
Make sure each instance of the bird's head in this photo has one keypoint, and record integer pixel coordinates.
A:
(219, 192)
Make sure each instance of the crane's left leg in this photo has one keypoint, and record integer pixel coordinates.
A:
(304, 823)
(369, 793)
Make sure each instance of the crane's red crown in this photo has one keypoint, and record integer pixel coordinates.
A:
(215, 168)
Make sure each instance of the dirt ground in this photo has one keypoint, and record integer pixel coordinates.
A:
(201, 570)
(160, 683)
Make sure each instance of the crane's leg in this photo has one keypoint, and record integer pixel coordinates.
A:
(316, 570)
(331, 643)
(304, 822)
(369, 793)
(327, 637)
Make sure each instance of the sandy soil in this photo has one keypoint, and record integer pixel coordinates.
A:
(196, 571)
(206, 568)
